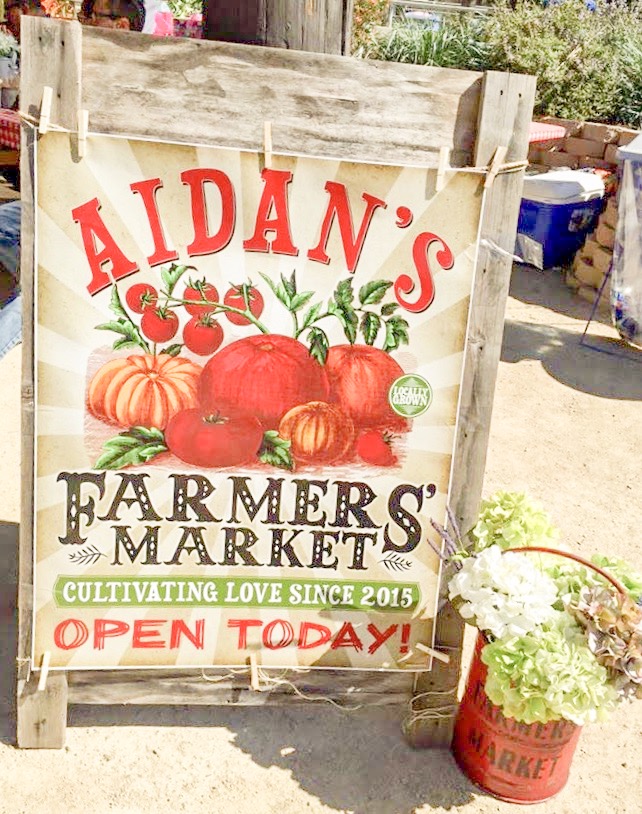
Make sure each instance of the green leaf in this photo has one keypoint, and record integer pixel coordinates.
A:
(344, 295)
(312, 315)
(373, 292)
(396, 333)
(115, 305)
(389, 308)
(289, 285)
(348, 318)
(279, 290)
(136, 446)
(319, 344)
(172, 350)
(299, 300)
(130, 333)
(171, 275)
(276, 451)
(370, 325)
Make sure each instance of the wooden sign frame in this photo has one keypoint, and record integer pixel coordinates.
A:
(328, 106)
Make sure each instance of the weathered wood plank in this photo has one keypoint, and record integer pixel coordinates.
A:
(215, 686)
(505, 115)
(52, 57)
(318, 104)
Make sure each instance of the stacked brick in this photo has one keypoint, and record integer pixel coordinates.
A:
(592, 261)
(587, 145)
(584, 145)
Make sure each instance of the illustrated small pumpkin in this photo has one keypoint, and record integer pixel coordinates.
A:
(318, 432)
(143, 390)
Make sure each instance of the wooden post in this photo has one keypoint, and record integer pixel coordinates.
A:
(505, 114)
(303, 25)
(52, 55)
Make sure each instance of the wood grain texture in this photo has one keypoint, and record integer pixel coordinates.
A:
(52, 56)
(505, 115)
(321, 105)
(347, 688)
(302, 25)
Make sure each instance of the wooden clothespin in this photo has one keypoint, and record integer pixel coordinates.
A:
(255, 682)
(83, 127)
(44, 670)
(45, 109)
(444, 157)
(434, 653)
(267, 144)
(495, 166)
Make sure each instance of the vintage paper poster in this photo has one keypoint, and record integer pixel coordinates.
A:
(247, 382)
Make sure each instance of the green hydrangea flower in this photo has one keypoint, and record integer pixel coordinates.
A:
(512, 520)
(548, 674)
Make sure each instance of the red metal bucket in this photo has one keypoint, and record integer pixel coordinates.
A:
(516, 762)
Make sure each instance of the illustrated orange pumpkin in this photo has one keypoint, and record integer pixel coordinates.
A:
(318, 432)
(143, 390)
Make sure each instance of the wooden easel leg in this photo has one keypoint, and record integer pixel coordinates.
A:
(42, 714)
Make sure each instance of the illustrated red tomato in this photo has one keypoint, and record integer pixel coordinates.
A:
(263, 375)
(374, 447)
(159, 324)
(235, 298)
(200, 292)
(140, 297)
(213, 440)
(360, 377)
(203, 335)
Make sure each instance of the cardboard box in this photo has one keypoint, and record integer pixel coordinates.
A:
(609, 216)
(584, 147)
(559, 159)
(606, 133)
(586, 273)
(589, 294)
(602, 259)
(588, 249)
(605, 234)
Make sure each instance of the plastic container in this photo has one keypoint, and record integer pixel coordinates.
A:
(626, 272)
(515, 762)
(558, 209)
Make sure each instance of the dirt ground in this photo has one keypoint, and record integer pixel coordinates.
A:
(567, 427)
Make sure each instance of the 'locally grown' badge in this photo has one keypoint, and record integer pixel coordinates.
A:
(247, 388)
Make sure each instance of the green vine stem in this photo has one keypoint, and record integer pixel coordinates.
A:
(219, 307)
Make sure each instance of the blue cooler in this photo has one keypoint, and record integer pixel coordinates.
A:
(558, 209)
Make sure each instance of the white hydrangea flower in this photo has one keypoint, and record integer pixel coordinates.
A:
(504, 594)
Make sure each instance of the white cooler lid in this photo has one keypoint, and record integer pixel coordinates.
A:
(632, 151)
(563, 186)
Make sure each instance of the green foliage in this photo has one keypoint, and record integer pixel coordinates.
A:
(548, 675)
(512, 520)
(588, 64)
(182, 9)
(366, 16)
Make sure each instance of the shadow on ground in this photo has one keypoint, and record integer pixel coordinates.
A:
(367, 769)
(603, 365)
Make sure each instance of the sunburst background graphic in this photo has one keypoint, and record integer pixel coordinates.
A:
(69, 439)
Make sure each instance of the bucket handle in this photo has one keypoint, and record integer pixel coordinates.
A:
(604, 574)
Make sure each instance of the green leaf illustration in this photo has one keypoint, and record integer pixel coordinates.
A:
(396, 333)
(370, 325)
(319, 344)
(130, 335)
(344, 295)
(389, 308)
(136, 446)
(172, 350)
(312, 315)
(170, 275)
(276, 451)
(373, 292)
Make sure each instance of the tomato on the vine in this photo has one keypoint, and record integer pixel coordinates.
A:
(159, 324)
(203, 335)
(243, 297)
(140, 297)
(213, 440)
(201, 296)
(373, 447)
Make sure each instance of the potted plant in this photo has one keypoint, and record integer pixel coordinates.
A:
(559, 646)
